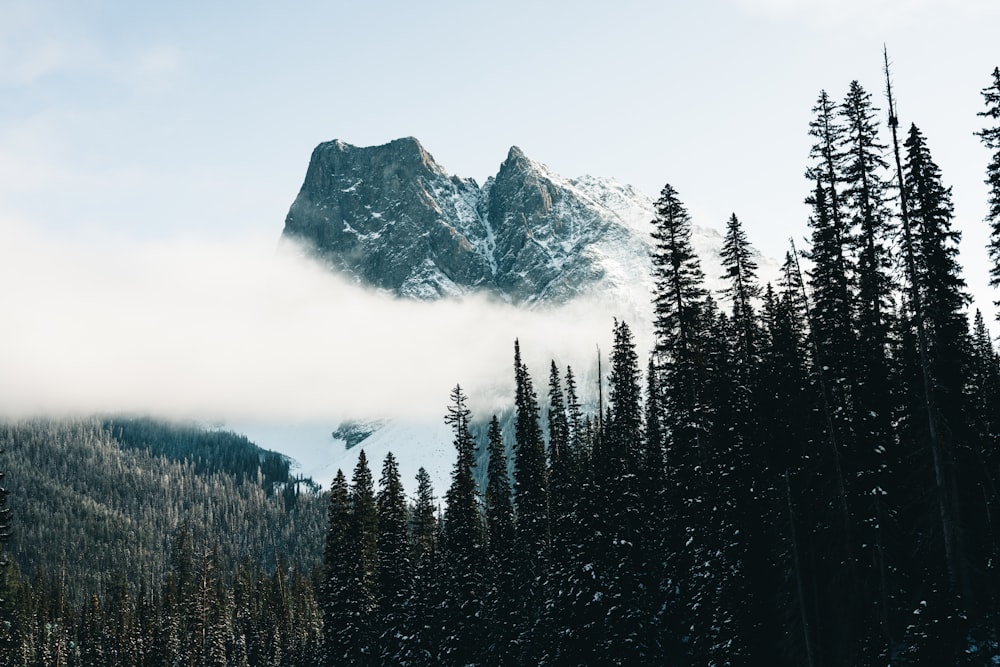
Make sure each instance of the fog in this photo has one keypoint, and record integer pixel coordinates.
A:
(225, 331)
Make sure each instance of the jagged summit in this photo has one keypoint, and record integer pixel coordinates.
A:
(391, 217)
(515, 156)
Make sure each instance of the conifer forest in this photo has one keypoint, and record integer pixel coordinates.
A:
(804, 473)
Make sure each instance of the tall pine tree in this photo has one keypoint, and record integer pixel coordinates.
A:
(990, 137)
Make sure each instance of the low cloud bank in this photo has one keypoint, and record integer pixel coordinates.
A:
(236, 331)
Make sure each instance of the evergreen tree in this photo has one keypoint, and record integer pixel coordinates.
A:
(574, 417)
(629, 628)
(393, 557)
(500, 596)
(826, 155)
(831, 343)
(8, 618)
(681, 314)
(557, 418)
(788, 409)
(864, 196)
(424, 521)
(463, 545)
(339, 572)
(990, 137)
(652, 464)
(984, 393)
(364, 540)
(679, 300)
(420, 629)
(868, 451)
(530, 483)
(562, 459)
(531, 503)
(462, 528)
(499, 511)
(741, 274)
(940, 284)
(832, 277)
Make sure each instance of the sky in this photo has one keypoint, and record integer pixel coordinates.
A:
(150, 151)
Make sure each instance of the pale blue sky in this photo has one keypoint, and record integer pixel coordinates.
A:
(196, 119)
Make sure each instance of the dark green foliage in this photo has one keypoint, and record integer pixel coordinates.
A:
(363, 541)
(394, 563)
(499, 511)
(75, 517)
(990, 136)
(424, 528)
(679, 301)
(462, 575)
(393, 542)
(500, 598)
(208, 451)
(463, 524)
(7, 603)
(417, 638)
(742, 289)
(531, 505)
(530, 484)
(338, 582)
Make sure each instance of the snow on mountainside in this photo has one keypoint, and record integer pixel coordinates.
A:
(316, 453)
(392, 218)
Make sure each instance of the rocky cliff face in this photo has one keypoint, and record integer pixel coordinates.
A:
(393, 218)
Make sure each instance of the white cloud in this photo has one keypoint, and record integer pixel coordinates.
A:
(236, 331)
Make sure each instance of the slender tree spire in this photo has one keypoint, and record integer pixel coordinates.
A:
(990, 136)
(927, 382)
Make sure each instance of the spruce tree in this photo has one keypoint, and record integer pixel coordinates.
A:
(833, 271)
(681, 310)
(679, 301)
(653, 471)
(990, 137)
(364, 540)
(500, 597)
(462, 529)
(530, 483)
(873, 445)
(826, 155)
(741, 275)
(984, 393)
(339, 570)
(463, 546)
(531, 504)
(393, 557)
(499, 511)
(865, 187)
(631, 632)
(939, 280)
(831, 344)
(8, 619)
(574, 416)
(420, 630)
(424, 521)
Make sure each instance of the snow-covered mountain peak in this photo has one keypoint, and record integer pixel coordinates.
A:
(391, 217)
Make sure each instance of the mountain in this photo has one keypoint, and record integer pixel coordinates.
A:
(391, 217)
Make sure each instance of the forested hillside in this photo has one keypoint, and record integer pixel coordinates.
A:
(800, 473)
(99, 501)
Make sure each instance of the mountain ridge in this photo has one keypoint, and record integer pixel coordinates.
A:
(395, 219)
